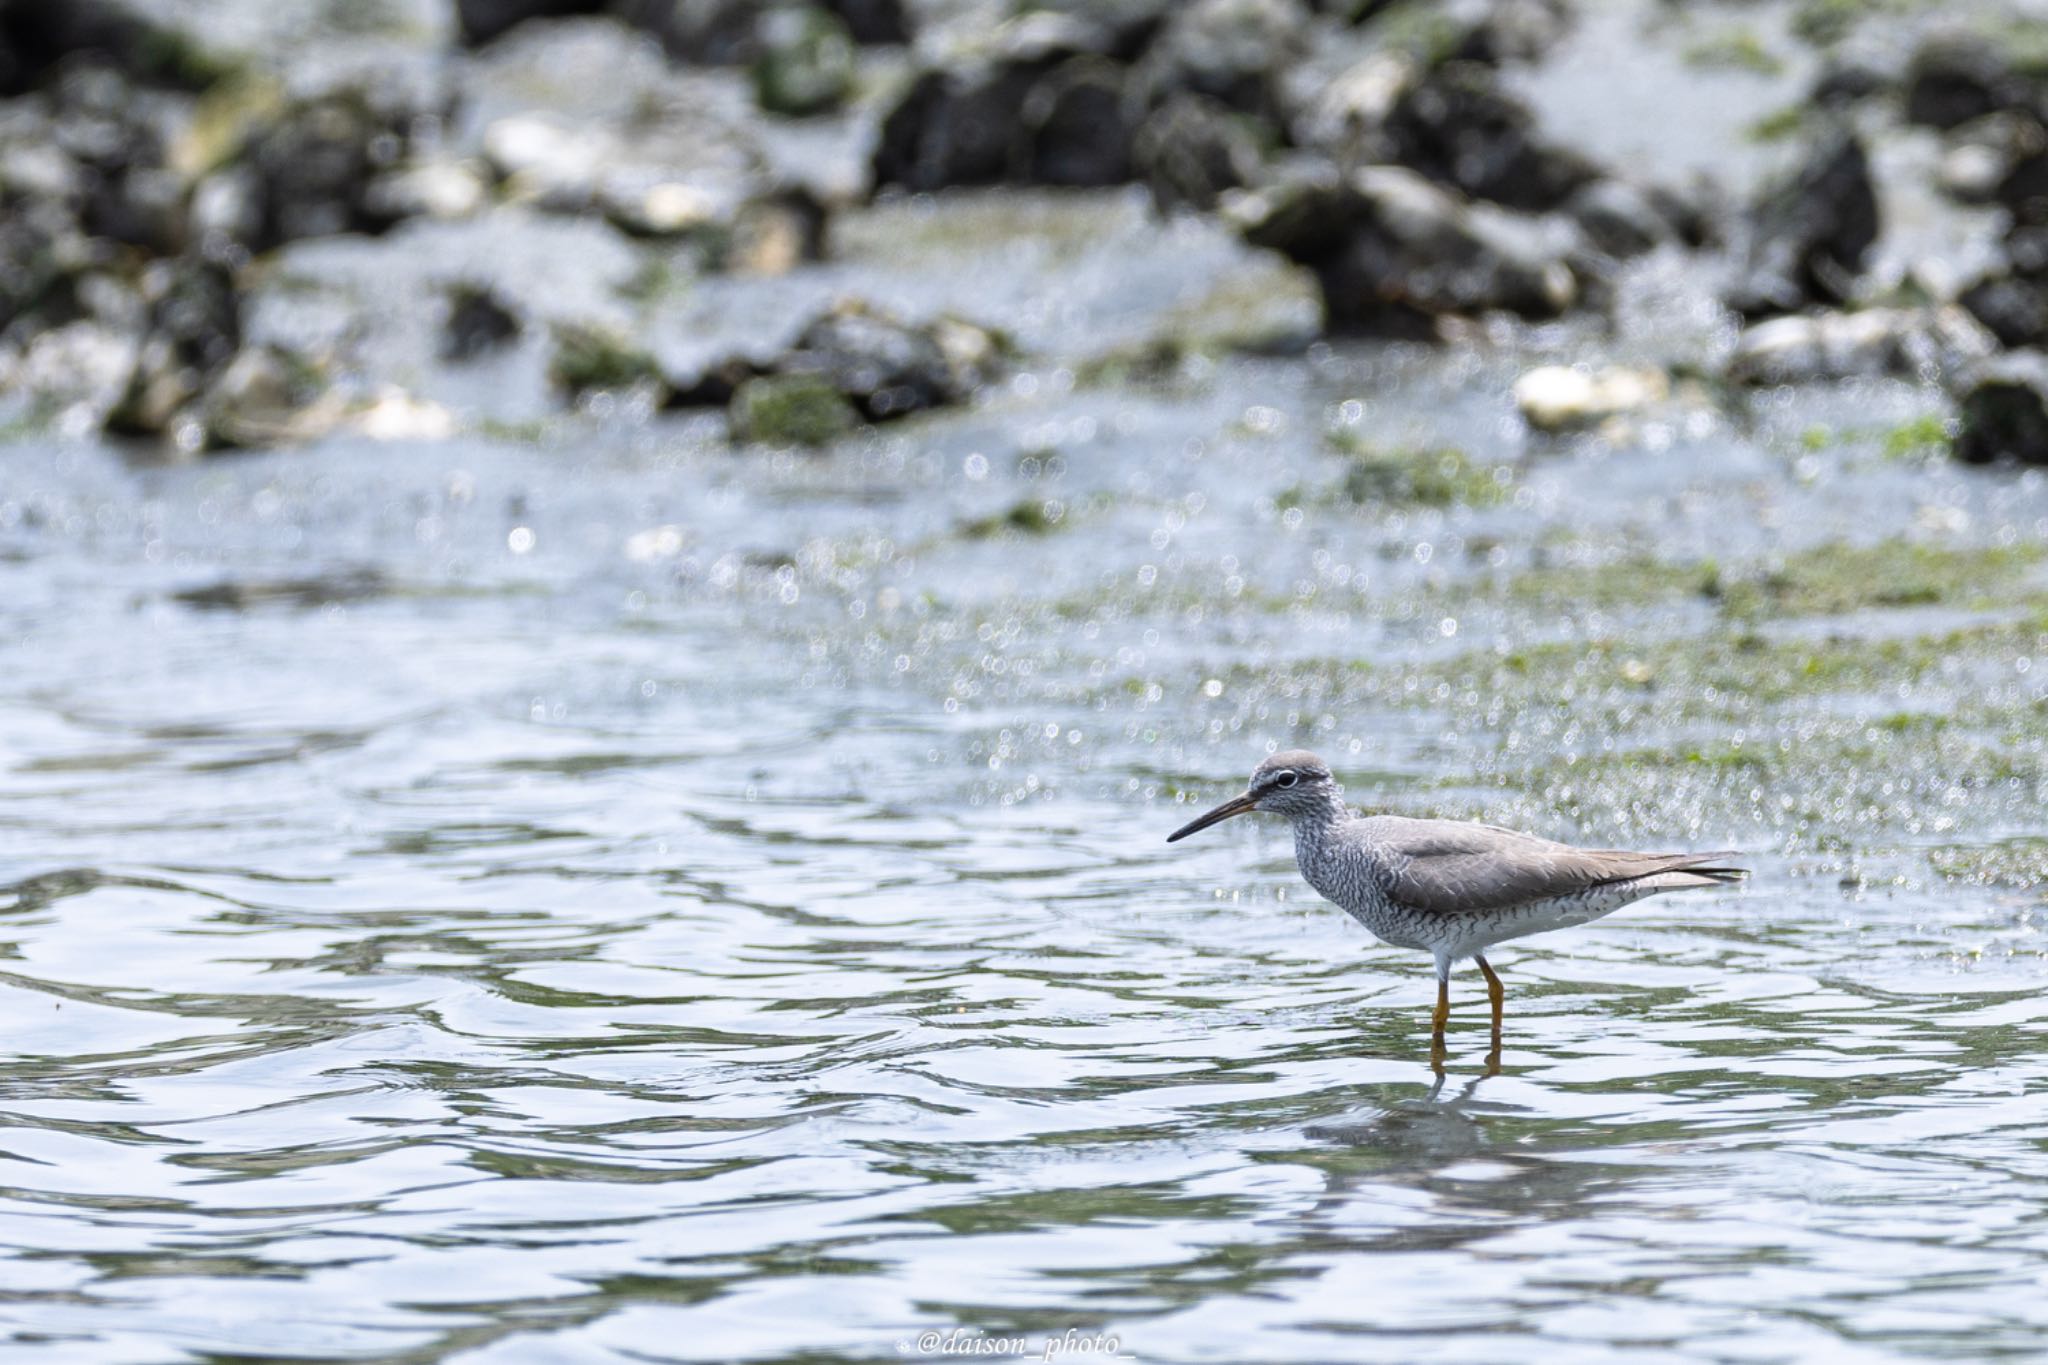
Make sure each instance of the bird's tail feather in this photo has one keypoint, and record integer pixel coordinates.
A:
(1702, 869)
(1704, 876)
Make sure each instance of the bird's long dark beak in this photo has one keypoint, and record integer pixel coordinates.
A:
(1236, 805)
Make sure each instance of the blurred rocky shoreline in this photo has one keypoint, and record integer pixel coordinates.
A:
(230, 224)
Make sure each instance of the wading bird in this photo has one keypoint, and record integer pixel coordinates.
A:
(1449, 887)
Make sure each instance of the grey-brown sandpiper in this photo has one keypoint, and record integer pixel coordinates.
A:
(1450, 887)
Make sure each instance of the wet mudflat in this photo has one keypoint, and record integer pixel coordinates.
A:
(603, 893)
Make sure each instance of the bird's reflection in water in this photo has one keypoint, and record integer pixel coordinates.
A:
(1484, 1163)
(1439, 1059)
(1424, 1131)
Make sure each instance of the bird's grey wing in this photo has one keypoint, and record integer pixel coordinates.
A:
(1446, 865)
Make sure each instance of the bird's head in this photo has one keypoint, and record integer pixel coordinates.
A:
(1294, 783)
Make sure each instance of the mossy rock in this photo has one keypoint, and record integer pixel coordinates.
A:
(790, 410)
(806, 64)
(590, 358)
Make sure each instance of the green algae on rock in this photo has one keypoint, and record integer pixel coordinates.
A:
(806, 63)
(1030, 516)
(592, 358)
(1429, 476)
(1837, 578)
(1735, 49)
(1830, 579)
(790, 410)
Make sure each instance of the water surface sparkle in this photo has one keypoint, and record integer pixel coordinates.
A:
(639, 901)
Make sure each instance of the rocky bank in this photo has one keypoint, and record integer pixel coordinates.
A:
(232, 224)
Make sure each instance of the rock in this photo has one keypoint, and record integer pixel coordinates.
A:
(1979, 157)
(1351, 11)
(74, 374)
(1459, 127)
(313, 167)
(589, 71)
(710, 381)
(440, 188)
(112, 131)
(1393, 251)
(1554, 398)
(1123, 28)
(483, 20)
(192, 332)
(83, 175)
(268, 396)
(2004, 409)
(1308, 212)
(39, 36)
(667, 208)
(402, 309)
(1076, 122)
(42, 249)
(546, 160)
(1490, 31)
(1809, 233)
(392, 414)
(1621, 219)
(35, 37)
(1956, 77)
(961, 121)
(673, 177)
(2024, 190)
(1347, 117)
(112, 296)
(884, 367)
(1693, 208)
(33, 167)
(586, 115)
(1920, 343)
(873, 21)
(890, 368)
(2026, 248)
(1853, 73)
(225, 214)
(1233, 51)
(2013, 306)
(773, 235)
(2012, 301)
(479, 322)
(1191, 149)
(805, 64)
(593, 358)
(790, 410)
(701, 32)
(1499, 31)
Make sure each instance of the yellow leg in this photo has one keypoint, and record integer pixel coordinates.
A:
(1496, 993)
(1439, 1018)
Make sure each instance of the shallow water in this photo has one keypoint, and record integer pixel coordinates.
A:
(447, 912)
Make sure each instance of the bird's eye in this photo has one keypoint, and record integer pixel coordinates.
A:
(1286, 779)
